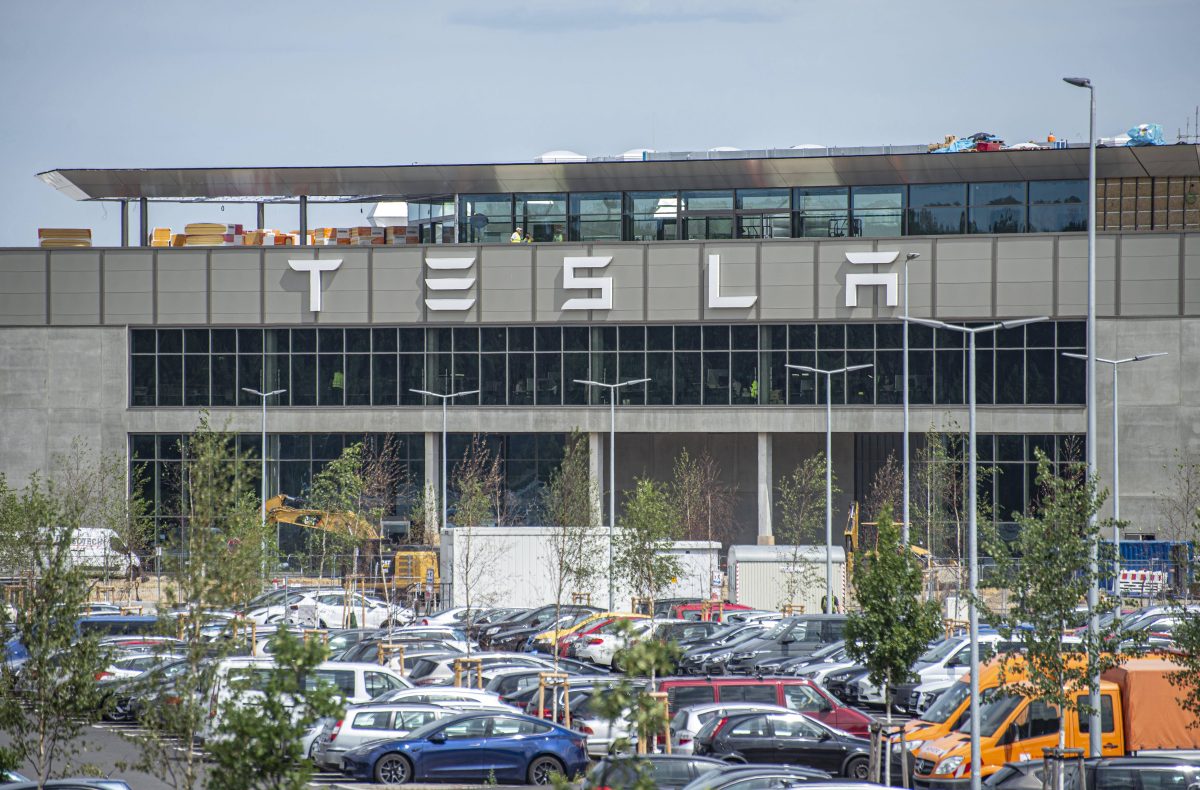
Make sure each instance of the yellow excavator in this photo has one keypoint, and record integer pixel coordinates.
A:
(411, 570)
(283, 509)
(854, 538)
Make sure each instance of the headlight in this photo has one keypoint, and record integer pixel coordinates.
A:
(949, 765)
(914, 745)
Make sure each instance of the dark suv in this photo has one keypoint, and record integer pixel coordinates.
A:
(792, 636)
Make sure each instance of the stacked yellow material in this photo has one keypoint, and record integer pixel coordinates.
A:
(64, 238)
(160, 237)
(365, 235)
(178, 240)
(395, 234)
(208, 234)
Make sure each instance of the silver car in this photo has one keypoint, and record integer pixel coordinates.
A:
(370, 722)
(688, 721)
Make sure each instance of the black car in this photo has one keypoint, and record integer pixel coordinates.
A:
(839, 683)
(752, 777)
(790, 738)
(792, 636)
(1105, 773)
(710, 658)
(669, 771)
(520, 626)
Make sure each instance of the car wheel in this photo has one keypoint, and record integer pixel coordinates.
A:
(393, 769)
(857, 769)
(542, 769)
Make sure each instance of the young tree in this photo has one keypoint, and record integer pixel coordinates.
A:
(47, 702)
(802, 523)
(216, 565)
(340, 488)
(1048, 572)
(568, 505)
(1179, 501)
(705, 502)
(641, 547)
(259, 743)
(479, 476)
(886, 492)
(893, 626)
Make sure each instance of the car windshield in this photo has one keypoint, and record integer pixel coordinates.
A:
(939, 651)
(828, 650)
(945, 705)
(781, 628)
(996, 710)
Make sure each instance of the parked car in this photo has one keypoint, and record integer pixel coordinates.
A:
(447, 696)
(334, 608)
(668, 771)
(275, 606)
(796, 694)
(371, 722)
(688, 721)
(710, 658)
(518, 627)
(507, 748)
(784, 737)
(792, 636)
(755, 777)
(433, 671)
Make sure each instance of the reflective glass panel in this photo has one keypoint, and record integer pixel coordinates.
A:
(878, 211)
(485, 218)
(764, 199)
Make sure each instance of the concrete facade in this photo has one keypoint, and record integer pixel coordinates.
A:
(65, 315)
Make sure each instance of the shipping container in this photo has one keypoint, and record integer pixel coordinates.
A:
(758, 576)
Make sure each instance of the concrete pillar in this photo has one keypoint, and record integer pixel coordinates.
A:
(766, 534)
(596, 474)
(433, 474)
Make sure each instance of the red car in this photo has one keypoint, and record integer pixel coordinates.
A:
(799, 694)
(707, 610)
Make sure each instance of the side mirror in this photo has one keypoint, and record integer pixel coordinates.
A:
(824, 736)
(437, 737)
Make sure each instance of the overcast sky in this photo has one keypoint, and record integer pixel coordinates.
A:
(165, 83)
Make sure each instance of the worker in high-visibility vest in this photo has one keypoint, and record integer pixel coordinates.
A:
(516, 238)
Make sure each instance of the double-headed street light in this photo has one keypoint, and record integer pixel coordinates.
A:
(1094, 591)
(612, 472)
(445, 399)
(1116, 462)
(972, 523)
(263, 506)
(828, 374)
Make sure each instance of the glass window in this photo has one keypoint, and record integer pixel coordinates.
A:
(170, 341)
(576, 338)
(949, 377)
(716, 378)
(711, 200)
(468, 728)
(750, 692)
(373, 720)
(331, 376)
(521, 380)
(998, 194)
(709, 227)
(822, 211)
(304, 340)
(687, 378)
(549, 378)
(764, 226)
(1073, 191)
(596, 216)
(631, 338)
(764, 199)
(466, 338)
(141, 341)
(659, 371)
(878, 211)
(249, 375)
(224, 341)
(142, 384)
(485, 218)
(492, 338)
(493, 388)
(716, 337)
(654, 216)
(1071, 378)
(575, 367)
(195, 382)
(1058, 219)
(384, 379)
(411, 340)
(1039, 370)
(548, 338)
(358, 379)
(659, 338)
(520, 338)
(795, 727)
(805, 699)
(195, 341)
(997, 219)
(543, 217)
(412, 376)
(1010, 377)
(753, 727)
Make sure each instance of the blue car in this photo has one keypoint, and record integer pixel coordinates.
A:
(473, 747)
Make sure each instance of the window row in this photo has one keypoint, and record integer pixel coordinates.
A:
(685, 378)
(870, 211)
(636, 337)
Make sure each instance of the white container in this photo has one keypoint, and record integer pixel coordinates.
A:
(513, 566)
(758, 575)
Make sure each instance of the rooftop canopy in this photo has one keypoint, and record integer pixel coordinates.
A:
(706, 170)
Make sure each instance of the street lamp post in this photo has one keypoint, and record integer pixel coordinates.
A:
(612, 472)
(263, 451)
(828, 374)
(972, 523)
(1116, 463)
(1094, 590)
(445, 398)
(904, 529)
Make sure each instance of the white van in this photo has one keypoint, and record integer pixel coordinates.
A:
(241, 680)
(100, 550)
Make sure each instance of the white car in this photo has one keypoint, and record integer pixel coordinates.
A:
(688, 721)
(601, 645)
(447, 635)
(369, 722)
(464, 699)
(339, 609)
(274, 606)
(440, 670)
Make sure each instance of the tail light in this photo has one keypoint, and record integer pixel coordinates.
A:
(595, 640)
(102, 674)
(171, 699)
(586, 730)
(424, 621)
(336, 729)
(720, 726)
(660, 739)
(684, 740)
